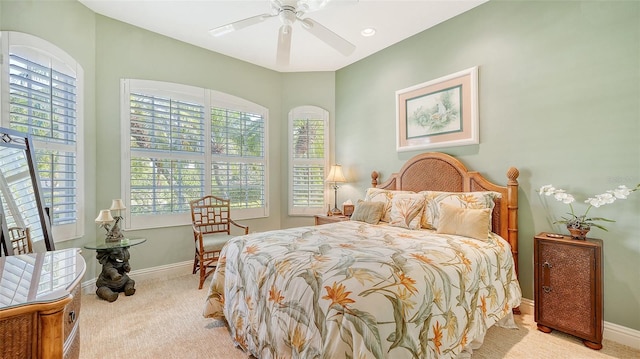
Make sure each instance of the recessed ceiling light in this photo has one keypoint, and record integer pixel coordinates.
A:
(368, 32)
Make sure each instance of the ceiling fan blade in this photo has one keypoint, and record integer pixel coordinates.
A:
(331, 38)
(240, 24)
(284, 46)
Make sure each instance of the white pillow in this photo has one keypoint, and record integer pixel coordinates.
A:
(469, 200)
(473, 223)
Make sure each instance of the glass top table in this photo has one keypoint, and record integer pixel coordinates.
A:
(36, 278)
(124, 243)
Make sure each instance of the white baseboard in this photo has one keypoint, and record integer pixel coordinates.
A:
(164, 271)
(614, 332)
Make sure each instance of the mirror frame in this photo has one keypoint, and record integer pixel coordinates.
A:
(21, 140)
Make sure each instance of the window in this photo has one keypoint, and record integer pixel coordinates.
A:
(183, 142)
(308, 150)
(237, 164)
(42, 88)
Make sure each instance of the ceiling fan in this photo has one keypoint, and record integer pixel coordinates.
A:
(289, 12)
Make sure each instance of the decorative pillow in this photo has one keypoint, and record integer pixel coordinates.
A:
(472, 223)
(385, 196)
(366, 211)
(406, 210)
(470, 200)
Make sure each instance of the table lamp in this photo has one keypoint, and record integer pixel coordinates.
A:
(115, 234)
(335, 176)
(104, 219)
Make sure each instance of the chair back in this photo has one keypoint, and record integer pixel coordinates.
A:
(210, 214)
(20, 240)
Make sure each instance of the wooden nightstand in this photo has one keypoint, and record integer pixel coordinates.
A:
(323, 219)
(568, 287)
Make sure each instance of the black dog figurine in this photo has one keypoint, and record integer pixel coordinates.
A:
(114, 279)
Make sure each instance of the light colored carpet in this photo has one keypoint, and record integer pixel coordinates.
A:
(164, 320)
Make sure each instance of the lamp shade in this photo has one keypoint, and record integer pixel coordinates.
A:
(335, 174)
(104, 217)
(117, 205)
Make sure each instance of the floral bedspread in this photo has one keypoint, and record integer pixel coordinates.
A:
(354, 290)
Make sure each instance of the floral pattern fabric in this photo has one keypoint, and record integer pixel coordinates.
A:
(406, 211)
(355, 290)
(385, 196)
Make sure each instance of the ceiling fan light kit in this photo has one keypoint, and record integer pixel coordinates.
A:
(290, 11)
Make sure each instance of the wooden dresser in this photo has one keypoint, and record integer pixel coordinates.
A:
(568, 287)
(40, 304)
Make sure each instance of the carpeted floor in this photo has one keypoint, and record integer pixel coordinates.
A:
(164, 320)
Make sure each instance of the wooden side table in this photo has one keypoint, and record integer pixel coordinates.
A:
(324, 219)
(568, 287)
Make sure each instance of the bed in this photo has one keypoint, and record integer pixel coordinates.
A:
(424, 286)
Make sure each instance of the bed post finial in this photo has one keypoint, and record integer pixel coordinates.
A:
(512, 174)
(374, 179)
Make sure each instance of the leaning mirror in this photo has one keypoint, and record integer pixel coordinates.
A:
(22, 209)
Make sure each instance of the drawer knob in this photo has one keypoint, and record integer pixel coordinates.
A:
(72, 316)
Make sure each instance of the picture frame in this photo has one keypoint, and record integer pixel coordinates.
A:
(438, 113)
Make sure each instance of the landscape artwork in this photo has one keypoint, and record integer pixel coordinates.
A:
(434, 113)
(438, 113)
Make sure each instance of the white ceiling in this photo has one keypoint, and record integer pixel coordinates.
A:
(191, 20)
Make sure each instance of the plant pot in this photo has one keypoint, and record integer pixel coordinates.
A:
(578, 233)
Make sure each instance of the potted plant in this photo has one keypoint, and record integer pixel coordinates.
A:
(579, 224)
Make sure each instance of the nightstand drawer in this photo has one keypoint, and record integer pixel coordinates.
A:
(330, 219)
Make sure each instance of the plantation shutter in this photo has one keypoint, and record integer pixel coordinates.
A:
(167, 148)
(44, 102)
(308, 144)
(238, 157)
(184, 142)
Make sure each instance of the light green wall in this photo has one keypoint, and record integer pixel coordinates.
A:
(559, 84)
(309, 88)
(125, 51)
(559, 98)
(110, 50)
(75, 34)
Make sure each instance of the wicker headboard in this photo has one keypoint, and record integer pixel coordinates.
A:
(434, 171)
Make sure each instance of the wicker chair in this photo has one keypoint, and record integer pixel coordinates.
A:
(211, 230)
(20, 240)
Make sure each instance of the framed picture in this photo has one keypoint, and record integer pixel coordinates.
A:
(438, 113)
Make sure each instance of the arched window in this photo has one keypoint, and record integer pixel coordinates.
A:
(308, 159)
(42, 95)
(182, 142)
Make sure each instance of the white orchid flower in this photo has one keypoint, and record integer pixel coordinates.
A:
(596, 202)
(583, 221)
(607, 198)
(547, 190)
(564, 197)
(621, 192)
